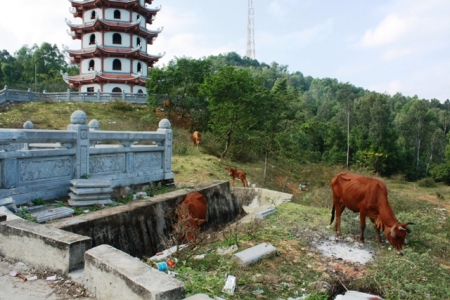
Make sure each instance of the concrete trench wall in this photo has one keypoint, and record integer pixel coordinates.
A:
(140, 227)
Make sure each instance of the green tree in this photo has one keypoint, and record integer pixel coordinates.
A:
(233, 102)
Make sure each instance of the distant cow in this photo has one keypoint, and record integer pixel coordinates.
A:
(368, 196)
(235, 173)
(166, 103)
(191, 215)
(196, 137)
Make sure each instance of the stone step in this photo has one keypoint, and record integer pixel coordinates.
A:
(89, 197)
(87, 191)
(89, 202)
(90, 183)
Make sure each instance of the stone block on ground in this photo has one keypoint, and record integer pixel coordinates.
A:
(254, 254)
(9, 203)
(42, 246)
(263, 214)
(90, 183)
(355, 295)
(89, 202)
(87, 191)
(52, 213)
(113, 274)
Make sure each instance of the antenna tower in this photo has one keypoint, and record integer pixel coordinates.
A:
(250, 31)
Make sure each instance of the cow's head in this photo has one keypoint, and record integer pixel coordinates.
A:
(396, 235)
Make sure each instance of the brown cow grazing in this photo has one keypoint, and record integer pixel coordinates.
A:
(368, 196)
(196, 137)
(166, 103)
(191, 215)
(235, 173)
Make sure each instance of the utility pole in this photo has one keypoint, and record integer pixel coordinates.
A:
(250, 31)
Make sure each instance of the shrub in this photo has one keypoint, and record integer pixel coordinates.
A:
(426, 182)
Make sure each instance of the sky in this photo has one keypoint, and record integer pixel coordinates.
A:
(387, 46)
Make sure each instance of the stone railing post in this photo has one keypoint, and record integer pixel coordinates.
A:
(98, 95)
(6, 92)
(123, 95)
(78, 120)
(164, 127)
(68, 94)
(30, 95)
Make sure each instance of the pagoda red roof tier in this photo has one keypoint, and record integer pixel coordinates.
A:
(96, 77)
(99, 51)
(78, 7)
(99, 25)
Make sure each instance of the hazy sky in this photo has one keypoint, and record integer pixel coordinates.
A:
(381, 45)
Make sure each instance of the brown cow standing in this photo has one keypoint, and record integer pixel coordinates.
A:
(196, 137)
(235, 173)
(368, 196)
(191, 215)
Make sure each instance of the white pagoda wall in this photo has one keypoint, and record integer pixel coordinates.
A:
(124, 14)
(109, 39)
(108, 64)
(108, 87)
(86, 39)
(87, 15)
(84, 66)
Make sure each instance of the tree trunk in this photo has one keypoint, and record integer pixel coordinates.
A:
(266, 162)
(227, 144)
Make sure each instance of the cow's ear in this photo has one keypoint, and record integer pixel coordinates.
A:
(401, 228)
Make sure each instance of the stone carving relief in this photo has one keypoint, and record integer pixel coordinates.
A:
(152, 160)
(107, 163)
(33, 169)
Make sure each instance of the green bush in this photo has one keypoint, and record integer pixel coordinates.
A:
(426, 182)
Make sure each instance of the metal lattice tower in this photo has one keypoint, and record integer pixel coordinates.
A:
(250, 31)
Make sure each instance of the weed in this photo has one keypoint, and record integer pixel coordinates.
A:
(24, 214)
(38, 201)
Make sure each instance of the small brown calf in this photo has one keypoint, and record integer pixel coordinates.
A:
(196, 137)
(235, 173)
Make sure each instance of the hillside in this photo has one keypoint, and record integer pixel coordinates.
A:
(297, 229)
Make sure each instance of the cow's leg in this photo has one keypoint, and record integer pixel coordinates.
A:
(232, 181)
(362, 224)
(337, 226)
(377, 230)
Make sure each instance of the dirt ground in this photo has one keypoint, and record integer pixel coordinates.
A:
(18, 287)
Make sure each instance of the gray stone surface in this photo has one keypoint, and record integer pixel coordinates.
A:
(9, 214)
(254, 253)
(89, 197)
(78, 203)
(89, 191)
(42, 246)
(199, 297)
(112, 274)
(52, 214)
(263, 214)
(90, 183)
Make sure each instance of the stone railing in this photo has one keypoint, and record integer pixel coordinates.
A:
(28, 96)
(39, 163)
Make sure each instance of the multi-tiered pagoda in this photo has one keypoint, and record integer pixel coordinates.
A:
(114, 39)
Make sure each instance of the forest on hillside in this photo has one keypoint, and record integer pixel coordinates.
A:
(258, 111)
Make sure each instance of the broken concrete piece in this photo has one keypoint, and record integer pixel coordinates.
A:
(263, 214)
(355, 295)
(254, 253)
(9, 215)
(9, 203)
(52, 213)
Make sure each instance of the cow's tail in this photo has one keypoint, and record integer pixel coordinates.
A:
(332, 215)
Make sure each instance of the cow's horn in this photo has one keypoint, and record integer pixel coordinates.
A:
(401, 228)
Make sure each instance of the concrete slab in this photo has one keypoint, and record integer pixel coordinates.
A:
(254, 254)
(90, 183)
(42, 246)
(355, 295)
(89, 202)
(9, 214)
(112, 274)
(87, 191)
(199, 297)
(52, 213)
(265, 213)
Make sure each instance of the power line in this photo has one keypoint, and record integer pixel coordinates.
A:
(250, 31)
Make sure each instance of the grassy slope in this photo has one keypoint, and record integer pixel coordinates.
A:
(297, 268)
